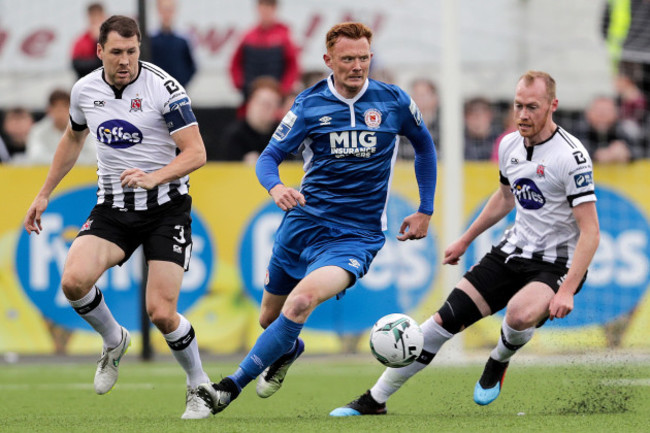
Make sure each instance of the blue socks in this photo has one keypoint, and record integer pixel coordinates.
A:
(278, 339)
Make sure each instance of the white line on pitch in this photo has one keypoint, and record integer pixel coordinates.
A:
(626, 382)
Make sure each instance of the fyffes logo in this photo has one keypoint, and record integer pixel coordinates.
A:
(620, 271)
(400, 277)
(528, 194)
(40, 259)
(118, 134)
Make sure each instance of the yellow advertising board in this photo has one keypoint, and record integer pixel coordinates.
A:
(233, 225)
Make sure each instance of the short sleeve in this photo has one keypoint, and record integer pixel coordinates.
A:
(77, 116)
(578, 177)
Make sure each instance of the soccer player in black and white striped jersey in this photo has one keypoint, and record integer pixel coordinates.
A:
(148, 141)
(540, 263)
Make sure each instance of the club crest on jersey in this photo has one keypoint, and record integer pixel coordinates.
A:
(372, 117)
(86, 226)
(528, 194)
(136, 104)
(540, 170)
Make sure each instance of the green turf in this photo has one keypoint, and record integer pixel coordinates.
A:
(149, 397)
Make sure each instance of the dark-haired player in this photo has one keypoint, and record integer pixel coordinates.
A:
(148, 141)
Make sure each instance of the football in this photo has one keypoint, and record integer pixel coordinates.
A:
(396, 340)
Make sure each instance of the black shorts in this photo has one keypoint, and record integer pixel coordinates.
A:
(498, 281)
(165, 232)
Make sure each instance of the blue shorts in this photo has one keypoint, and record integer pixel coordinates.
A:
(302, 245)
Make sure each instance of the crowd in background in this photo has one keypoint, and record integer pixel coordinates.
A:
(265, 68)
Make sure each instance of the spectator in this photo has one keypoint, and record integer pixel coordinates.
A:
(169, 50)
(509, 125)
(247, 138)
(265, 50)
(16, 125)
(603, 134)
(44, 136)
(311, 77)
(632, 108)
(84, 51)
(425, 94)
(631, 101)
(626, 30)
(480, 133)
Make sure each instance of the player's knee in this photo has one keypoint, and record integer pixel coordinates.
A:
(162, 317)
(300, 306)
(74, 287)
(522, 318)
(266, 319)
(458, 312)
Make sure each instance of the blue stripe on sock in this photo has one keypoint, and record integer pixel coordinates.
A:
(276, 340)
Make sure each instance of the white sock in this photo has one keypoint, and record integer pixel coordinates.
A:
(93, 309)
(515, 339)
(185, 349)
(393, 378)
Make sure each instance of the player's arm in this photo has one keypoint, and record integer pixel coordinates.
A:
(587, 219)
(268, 175)
(498, 206)
(416, 226)
(191, 157)
(64, 159)
(286, 139)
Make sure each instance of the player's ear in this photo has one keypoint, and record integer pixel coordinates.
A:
(554, 105)
(328, 60)
(99, 51)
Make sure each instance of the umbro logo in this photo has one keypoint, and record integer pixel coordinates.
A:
(99, 103)
(325, 120)
(354, 263)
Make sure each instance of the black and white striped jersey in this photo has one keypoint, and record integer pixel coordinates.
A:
(133, 128)
(547, 180)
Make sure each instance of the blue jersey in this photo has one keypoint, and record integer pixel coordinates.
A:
(350, 148)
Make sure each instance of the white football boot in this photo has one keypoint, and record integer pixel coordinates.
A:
(195, 406)
(107, 366)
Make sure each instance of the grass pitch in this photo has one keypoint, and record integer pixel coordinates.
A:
(149, 397)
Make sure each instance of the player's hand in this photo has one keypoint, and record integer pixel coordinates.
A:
(414, 226)
(32, 221)
(286, 198)
(454, 252)
(561, 305)
(136, 178)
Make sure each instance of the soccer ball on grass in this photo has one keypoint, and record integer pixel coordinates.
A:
(396, 340)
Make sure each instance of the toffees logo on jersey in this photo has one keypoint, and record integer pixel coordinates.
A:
(40, 259)
(118, 134)
(528, 194)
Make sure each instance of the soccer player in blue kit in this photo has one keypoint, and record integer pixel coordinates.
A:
(333, 226)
